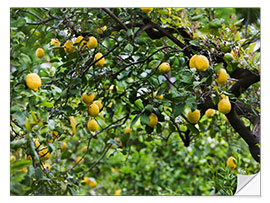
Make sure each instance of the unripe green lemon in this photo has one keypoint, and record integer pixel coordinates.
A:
(229, 57)
(194, 116)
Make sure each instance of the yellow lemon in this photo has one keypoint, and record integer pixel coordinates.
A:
(157, 97)
(73, 124)
(146, 10)
(164, 68)
(55, 42)
(128, 130)
(33, 81)
(85, 180)
(88, 98)
(44, 154)
(234, 52)
(118, 192)
(222, 77)
(92, 182)
(99, 104)
(93, 110)
(36, 142)
(84, 149)
(64, 146)
(92, 43)
(231, 163)
(12, 158)
(226, 119)
(201, 63)
(194, 116)
(40, 53)
(68, 46)
(101, 62)
(153, 120)
(79, 160)
(46, 165)
(192, 61)
(210, 112)
(224, 105)
(92, 125)
(80, 39)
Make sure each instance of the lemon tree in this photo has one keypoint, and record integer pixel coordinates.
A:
(133, 101)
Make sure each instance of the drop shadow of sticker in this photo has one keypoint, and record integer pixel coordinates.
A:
(248, 185)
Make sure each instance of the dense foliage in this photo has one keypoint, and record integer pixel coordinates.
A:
(175, 157)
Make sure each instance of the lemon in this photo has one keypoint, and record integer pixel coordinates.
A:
(85, 180)
(201, 63)
(210, 112)
(224, 105)
(92, 125)
(128, 130)
(80, 39)
(192, 61)
(222, 77)
(101, 30)
(88, 98)
(164, 68)
(153, 120)
(226, 119)
(99, 104)
(47, 165)
(93, 110)
(12, 158)
(229, 57)
(44, 154)
(194, 116)
(33, 81)
(146, 10)
(84, 149)
(234, 52)
(55, 42)
(157, 97)
(101, 62)
(231, 163)
(118, 192)
(92, 43)
(73, 124)
(24, 170)
(64, 146)
(79, 160)
(92, 182)
(40, 53)
(68, 46)
(36, 142)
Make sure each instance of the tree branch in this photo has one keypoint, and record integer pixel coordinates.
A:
(115, 18)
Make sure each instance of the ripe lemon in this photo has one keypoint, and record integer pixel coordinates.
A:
(64, 146)
(93, 110)
(88, 98)
(92, 125)
(12, 158)
(164, 68)
(128, 130)
(192, 61)
(40, 53)
(201, 63)
(80, 39)
(85, 180)
(55, 42)
(224, 105)
(33, 81)
(36, 142)
(234, 52)
(73, 124)
(84, 149)
(226, 119)
(47, 165)
(99, 104)
(44, 154)
(231, 163)
(157, 97)
(222, 77)
(194, 116)
(118, 192)
(68, 46)
(210, 112)
(92, 43)
(92, 182)
(146, 10)
(153, 120)
(101, 62)
(24, 170)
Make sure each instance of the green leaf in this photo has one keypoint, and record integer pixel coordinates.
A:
(17, 144)
(145, 119)
(47, 104)
(195, 43)
(192, 128)
(135, 120)
(15, 166)
(178, 109)
(138, 103)
(20, 117)
(38, 173)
